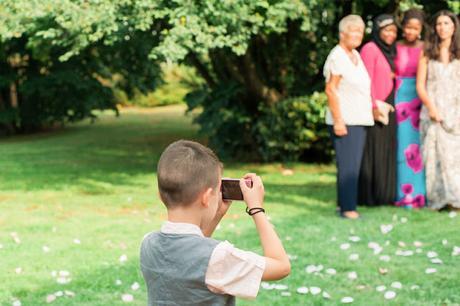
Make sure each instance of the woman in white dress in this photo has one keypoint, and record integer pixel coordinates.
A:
(438, 86)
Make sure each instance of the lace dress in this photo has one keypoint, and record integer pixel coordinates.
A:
(441, 141)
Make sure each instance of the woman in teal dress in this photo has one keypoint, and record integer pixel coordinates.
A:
(410, 171)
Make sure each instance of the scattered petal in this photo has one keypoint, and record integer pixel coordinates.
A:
(53, 273)
(281, 287)
(432, 254)
(402, 244)
(45, 249)
(292, 257)
(135, 286)
(50, 298)
(18, 270)
(456, 251)
(344, 246)
(302, 290)
(380, 288)
(430, 270)
(59, 293)
(16, 303)
(353, 257)
(352, 275)
(383, 271)
(396, 285)
(414, 287)
(347, 300)
(127, 298)
(15, 237)
(386, 228)
(315, 290)
(77, 241)
(333, 238)
(331, 271)
(418, 251)
(361, 287)
(452, 214)
(385, 258)
(64, 273)
(267, 286)
(444, 242)
(389, 295)
(436, 261)
(354, 238)
(69, 293)
(63, 280)
(326, 295)
(1, 246)
(285, 293)
(118, 282)
(310, 269)
(123, 258)
(403, 220)
(288, 238)
(418, 244)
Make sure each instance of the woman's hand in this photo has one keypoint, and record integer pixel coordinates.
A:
(434, 115)
(340, 129)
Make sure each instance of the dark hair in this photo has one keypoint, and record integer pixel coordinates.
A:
(432, 42)
(413, 13)
(185, 169)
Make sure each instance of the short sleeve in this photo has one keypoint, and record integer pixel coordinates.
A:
(333, 65)
(235, 272)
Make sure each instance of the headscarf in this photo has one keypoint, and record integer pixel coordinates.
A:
(389, 51)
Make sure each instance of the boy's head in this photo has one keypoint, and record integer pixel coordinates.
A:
(186, 169)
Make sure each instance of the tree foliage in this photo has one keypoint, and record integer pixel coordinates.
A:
(59, 59)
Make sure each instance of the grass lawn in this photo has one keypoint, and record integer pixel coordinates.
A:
(75, 204)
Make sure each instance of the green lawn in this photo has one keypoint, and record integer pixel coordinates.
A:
(81, 199)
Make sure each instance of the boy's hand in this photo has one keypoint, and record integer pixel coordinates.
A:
(254, 197)
(223, 207)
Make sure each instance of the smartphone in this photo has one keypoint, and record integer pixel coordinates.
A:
(231, 189)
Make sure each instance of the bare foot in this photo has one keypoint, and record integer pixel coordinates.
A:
(352, 214)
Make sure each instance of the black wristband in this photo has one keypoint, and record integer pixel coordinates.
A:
(254, 210)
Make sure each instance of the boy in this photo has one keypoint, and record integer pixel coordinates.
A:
(180, 264)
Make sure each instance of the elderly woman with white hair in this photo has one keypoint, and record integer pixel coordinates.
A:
(348, 89)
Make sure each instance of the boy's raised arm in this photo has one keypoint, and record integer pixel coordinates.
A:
(277, 261)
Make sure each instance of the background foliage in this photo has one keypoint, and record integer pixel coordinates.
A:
(62, 59)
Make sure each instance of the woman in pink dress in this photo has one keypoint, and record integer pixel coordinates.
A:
(410, 174)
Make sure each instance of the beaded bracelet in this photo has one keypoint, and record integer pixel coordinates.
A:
(254, 210)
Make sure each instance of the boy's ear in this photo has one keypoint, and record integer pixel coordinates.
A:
(205, 197)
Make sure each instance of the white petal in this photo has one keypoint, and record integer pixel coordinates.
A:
(402, 244)
(16, 303)
(285, 293)
(281, 287)
(344, 246)
(45, 249)
(326, 295)
(418, 251)
(302, 290)
(436, 261)
(396, 285)
(118, 282)
(18, 270)
(403, 220)
(69, 293)
(123, 258)
(430, 270)
(353, 257)
(444, 242)
(347, 300)
(432, 254)
(418, 244)
(59, 293)
(127, 298)
(352, 275)
(354, 238)
(315, 290)
(389, 295)
(380, 288)
(331, 271)
(386, 228)
(50, 298)
(415, 287)
(385, 258)
(135, 286)
(452, 214)
(310, 269)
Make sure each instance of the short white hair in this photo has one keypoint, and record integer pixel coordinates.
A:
(350, 20)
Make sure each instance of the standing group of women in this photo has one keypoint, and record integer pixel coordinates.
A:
(394, 112)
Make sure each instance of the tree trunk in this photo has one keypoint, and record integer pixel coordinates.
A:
(13, 95)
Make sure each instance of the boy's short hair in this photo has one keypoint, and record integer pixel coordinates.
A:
(185, 169)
